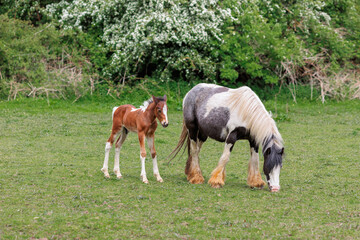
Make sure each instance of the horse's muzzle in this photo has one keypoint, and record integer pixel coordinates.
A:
(165, 124)
(274, 188)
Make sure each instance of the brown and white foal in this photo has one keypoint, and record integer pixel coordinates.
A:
(127, 118)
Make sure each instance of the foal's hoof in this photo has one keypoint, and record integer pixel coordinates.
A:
(106, 173)
(117, 173)
(158, 178)
(144, 180)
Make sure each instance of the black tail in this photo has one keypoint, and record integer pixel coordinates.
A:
(184, 136)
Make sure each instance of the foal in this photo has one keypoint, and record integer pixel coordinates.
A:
(143, 121)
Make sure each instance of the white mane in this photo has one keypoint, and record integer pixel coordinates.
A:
(252, 112)
(146, 104)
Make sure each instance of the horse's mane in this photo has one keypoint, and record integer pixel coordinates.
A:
(249, 108)
(148, 102)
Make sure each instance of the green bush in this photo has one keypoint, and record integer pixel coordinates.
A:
(41, 61)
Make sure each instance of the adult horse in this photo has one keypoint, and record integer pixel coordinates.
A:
(228, 115)
(142, 121)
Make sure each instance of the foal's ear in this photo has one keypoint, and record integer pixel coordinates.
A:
(165, 98)
(155, 100)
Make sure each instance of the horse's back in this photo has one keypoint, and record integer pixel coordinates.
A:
(119, 113)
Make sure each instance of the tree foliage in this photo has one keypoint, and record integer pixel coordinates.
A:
(150, 37)
(230, 42)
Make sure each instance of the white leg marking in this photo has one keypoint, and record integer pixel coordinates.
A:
(225, 156)
(194, 153)
(117, 163)
(156, 170)
(254, 161)
(106, 160)
(150, 142)
(143, 172)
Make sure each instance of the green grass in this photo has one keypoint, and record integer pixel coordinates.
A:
(51, 185)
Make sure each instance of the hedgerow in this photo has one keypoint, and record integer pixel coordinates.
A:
(229, 42)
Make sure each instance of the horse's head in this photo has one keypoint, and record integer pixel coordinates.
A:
(273, 156)
(161, 110)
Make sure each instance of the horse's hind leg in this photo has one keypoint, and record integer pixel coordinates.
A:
(217, 179)
(118, 145)
(114, 135)
(254, 177)
(151, 144)
(192, 169)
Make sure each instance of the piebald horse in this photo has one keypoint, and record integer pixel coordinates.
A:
(127, 118)
(228, 115)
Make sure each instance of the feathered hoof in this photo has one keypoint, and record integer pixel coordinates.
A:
(196, 179)
(257, 184)
(216, 183)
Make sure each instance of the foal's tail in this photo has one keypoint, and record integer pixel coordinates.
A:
(184, 136)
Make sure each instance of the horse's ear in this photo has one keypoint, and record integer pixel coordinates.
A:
(165, 98)
(282, 151)
(155, 100)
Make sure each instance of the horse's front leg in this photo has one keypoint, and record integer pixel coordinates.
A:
(254, 177)
(141, 136)
(151, 144)
(217, 179)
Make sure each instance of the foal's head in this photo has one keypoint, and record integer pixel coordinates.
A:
(273, 156)
(161, 110)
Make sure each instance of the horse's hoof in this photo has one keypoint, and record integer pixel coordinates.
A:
(216, 185)
(160, 180)
(119, 177)
(197, 179)
(144, 179)
(106, 173)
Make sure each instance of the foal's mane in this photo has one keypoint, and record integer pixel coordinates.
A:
(148, 102)
(249, 108)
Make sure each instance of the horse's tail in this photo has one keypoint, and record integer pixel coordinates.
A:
(184, 136)
(113, 111)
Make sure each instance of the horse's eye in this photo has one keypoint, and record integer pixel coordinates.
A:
(159, 110)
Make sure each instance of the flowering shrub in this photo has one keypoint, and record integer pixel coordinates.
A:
(150, 37)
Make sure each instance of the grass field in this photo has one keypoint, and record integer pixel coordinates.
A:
(51, 185)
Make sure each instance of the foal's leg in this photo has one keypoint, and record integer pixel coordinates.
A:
(141, 136)
(217, 179)
(151, 144)
(118, 145)
(192, 169)
(254, 177)
(114, 135)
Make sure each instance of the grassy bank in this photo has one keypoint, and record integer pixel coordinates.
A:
(51, 185)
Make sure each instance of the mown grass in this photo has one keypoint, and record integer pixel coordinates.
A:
(51, 185)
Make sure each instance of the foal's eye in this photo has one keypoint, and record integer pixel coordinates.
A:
(159, 110)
